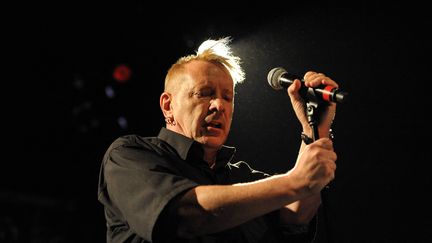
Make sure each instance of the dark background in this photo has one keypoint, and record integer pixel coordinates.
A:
(60, 119)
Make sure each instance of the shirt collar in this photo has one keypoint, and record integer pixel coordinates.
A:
(185, 147)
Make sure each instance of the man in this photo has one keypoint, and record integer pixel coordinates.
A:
(182, 186)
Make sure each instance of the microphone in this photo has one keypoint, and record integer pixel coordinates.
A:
(279, 78)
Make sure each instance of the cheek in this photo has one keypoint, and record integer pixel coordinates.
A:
(198, 114)
(229, 117)
(230, 112)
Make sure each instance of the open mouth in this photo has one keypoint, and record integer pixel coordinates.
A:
(214, 124)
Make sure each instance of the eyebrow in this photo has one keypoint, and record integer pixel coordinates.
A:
(228, 91)
(209, 86)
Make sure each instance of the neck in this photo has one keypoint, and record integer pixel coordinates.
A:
(210, 156)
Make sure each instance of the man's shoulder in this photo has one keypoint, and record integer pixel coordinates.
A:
(135, 151)
(133, 143)
(134, 140)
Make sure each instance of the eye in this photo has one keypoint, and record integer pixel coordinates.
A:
(204, 93)
(228, 98)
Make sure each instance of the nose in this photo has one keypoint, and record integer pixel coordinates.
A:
(217, 104)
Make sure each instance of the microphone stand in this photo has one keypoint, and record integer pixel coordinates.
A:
(312, 104)
(311, 108)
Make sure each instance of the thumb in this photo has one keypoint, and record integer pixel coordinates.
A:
(293, 90)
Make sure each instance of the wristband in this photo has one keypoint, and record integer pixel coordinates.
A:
(306, 139)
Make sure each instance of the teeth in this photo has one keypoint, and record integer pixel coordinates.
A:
(215, 124)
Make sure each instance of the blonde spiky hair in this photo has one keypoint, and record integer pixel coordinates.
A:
(215, 51)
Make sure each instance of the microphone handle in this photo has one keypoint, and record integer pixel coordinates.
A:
(323, 92)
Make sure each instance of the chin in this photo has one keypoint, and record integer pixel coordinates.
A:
(213, 142)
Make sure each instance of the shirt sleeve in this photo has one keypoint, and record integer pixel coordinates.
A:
(140, 183)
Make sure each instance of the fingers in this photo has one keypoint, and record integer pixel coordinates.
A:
(293, 89)
(327, 159)
(317, 164)
(314, 79)
(325, 143)
(326, 153)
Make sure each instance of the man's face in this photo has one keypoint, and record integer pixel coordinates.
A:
(203, 103)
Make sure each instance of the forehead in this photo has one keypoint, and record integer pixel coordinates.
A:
(205, 72)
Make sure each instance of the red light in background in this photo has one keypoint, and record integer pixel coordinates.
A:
(122, 73)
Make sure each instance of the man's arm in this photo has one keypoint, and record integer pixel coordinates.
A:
(300, 212)
(209, 209)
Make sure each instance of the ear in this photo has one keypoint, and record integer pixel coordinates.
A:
(165, 104)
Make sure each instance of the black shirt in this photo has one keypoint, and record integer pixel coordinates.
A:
(141, 176)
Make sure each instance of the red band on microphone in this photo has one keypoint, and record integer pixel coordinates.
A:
(326, 95)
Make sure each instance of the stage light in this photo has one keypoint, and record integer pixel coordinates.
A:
(122, 73)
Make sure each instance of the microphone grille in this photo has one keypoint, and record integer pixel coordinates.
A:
(274, 76)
